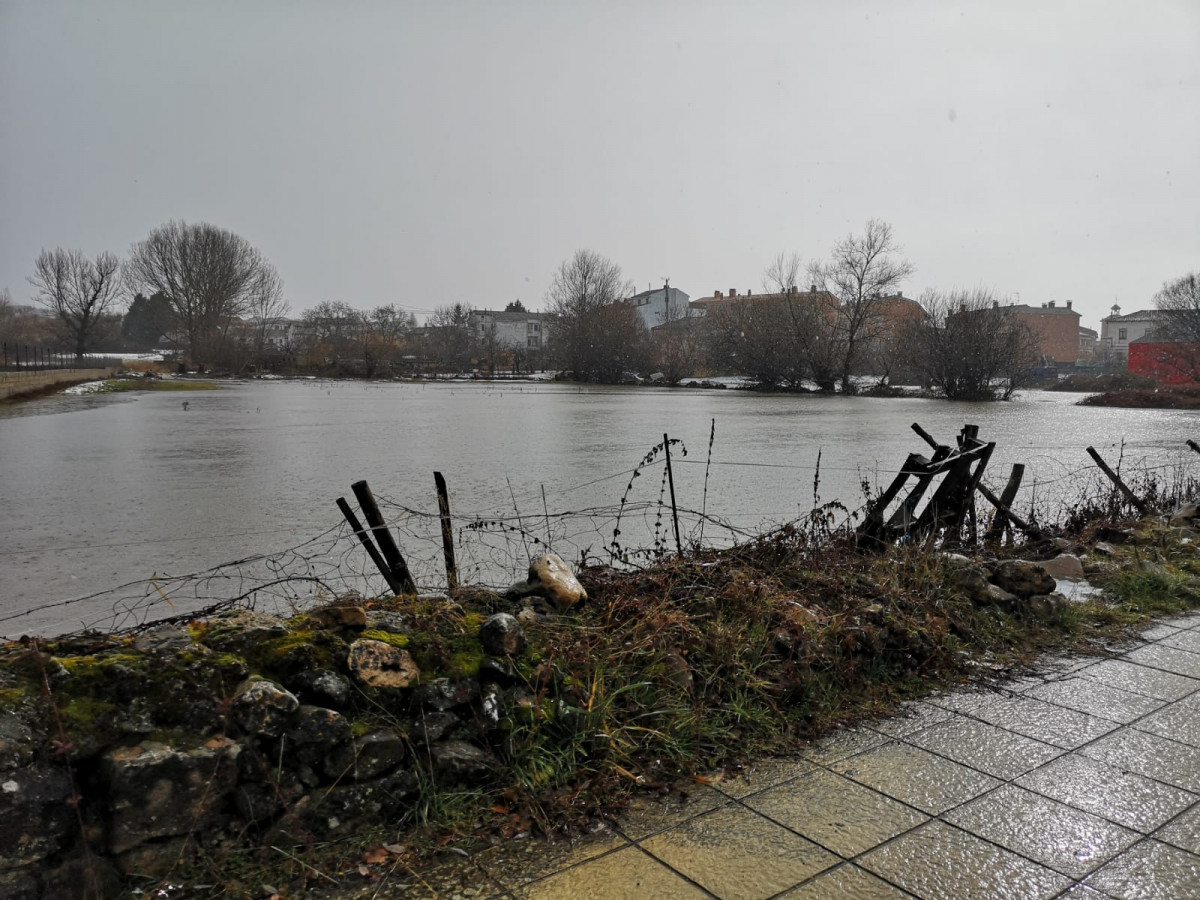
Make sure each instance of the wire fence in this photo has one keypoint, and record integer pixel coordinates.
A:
(494, 549)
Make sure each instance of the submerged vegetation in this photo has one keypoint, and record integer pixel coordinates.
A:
(122, 385)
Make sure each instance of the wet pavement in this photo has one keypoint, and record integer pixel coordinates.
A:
(1082, 781)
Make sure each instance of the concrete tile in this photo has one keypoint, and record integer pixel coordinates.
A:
(1158, 632)
(843, 744)
(1187, 620)
(941, 862)
(514, 863)
(964, 701)
(1127, 676)
(911, 718)
(846, 882)
(988, 748)
(1183, 640)
(1150, 871)
(761, 775)
(916, 777)
(1180, 721)
(647, 814)
(735, 852)
(1150, 755)
(1065, 839)
(1043, 721)
(1183, 832)
(1169, 659)
(846, 817)
(1089, 696)
(1122, 797)
(615, 876)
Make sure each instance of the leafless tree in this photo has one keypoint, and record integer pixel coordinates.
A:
(266, 306)
(969, 347)
(1180, 299)
(596, 336)
(211, 276)
(783, 273)
(677, 345)
(863, 270)
(78, 290)
(450, 336)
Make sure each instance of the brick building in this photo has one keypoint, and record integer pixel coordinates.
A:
(1057, 330)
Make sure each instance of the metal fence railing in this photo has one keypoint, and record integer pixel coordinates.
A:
(15, 357)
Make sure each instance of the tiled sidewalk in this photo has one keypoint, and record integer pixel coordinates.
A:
(1082, 782)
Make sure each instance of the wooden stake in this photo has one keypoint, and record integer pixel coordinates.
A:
(447, 531)
(1115, 479)
(671, 482)
(393, 584)
(1193, 445)
(387, 543)
(1007, 496)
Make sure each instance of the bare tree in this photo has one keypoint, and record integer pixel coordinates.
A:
(1180, 299)
(450, 336)
(265, 306)
(863, 270)
(78, 290)
(596, 335)
(969, 347)
(211, 277)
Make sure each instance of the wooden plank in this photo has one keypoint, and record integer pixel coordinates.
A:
(387, 543)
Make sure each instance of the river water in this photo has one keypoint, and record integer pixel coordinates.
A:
(104, 490)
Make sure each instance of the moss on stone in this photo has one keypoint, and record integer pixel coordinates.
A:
(297, 651)
(386, 637)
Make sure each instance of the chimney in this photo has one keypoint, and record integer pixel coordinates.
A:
(812, 289)
(717, 294)
(733, 292)
(1068, 304)
(962, 307)
(1052, 304)
(995, 304)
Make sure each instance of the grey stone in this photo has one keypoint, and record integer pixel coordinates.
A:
(431, 727)
(354, 617)
(550, 577)
(346, 809)
(154, 791)
(462, 762)
(367, 757)
(999, 597)
(314, 733)
(380, 665)
(502, 635)
(1025, 579)
(442, 694)
(241, 630)
(263, 707)
(1186, 515)
(1047, 605)
(35, 818)
(1063, 566)
(323, 688)
(391, 622)
(163, 639)
(16, 742)
(1104, 549)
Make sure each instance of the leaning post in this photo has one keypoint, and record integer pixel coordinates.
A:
(1115, 479)
(361, 534)
(671, 483)
(387, 543)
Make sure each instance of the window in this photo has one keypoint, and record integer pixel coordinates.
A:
(533, 342)
(533, 327)
(1122, 334)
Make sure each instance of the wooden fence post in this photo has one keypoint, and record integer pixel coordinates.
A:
(361, 534)
(671, 482)
(387, 543)
(447, 531)
(1115, 479)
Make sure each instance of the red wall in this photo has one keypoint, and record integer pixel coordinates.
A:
(1169, 362)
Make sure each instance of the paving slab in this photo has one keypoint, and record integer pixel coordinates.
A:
(916, 777)
(1125, 798)
(1144, 680)
(988, 748)
(843, 744)
(1184, 640)
(1169, 659)
(615, 876)
(763, 774)
(940, 862)
(1152, 755)
(911, 718)
(735, 852)
(1151, 870)
(1041, 721)
(1183, 831)
(648, 814)
(835, 812)
(1180, 721)
(1100, 700)
(1065, 839)
(519, 862)
(846, 882)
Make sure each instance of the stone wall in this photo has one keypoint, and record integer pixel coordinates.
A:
(123, 759)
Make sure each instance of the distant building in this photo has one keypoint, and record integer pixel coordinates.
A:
(1056, 328)
(719, 299)
(1118, 331)
(1088, 341)
(520, 330)
(658, 306)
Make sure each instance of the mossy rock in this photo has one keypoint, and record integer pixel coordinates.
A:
(282, 657)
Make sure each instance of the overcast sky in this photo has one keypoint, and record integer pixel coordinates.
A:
(426, 153)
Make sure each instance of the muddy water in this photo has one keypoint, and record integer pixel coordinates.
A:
(99, 491)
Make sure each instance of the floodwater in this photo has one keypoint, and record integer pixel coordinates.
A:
(99, 491)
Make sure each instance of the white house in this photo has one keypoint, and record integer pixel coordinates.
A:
(1118, 331)
(659, 306)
